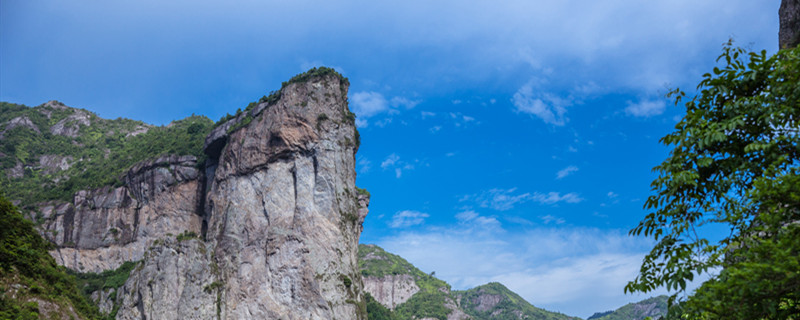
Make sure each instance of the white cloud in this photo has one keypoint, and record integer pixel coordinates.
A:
(545, 106)
(427, 114)
(393, 162)
(645, 108)
(364, 165)
(506, 199)
(460, 119)
(390, 161)
(466, 215)
(549, 218)
(403, 102)
(367, 104)
(407, 218)
(566, 171)
(555, 197)
(612, 195)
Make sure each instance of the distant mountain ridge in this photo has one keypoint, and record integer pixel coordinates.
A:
(408, 293)
(655, 308)
(396, 290)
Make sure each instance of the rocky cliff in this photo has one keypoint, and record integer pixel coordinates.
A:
(280, 218)
(264, 225)
(102, 228)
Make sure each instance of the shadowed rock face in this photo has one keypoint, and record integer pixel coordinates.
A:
(789, 35)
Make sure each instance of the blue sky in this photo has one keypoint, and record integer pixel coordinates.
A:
(506, 141)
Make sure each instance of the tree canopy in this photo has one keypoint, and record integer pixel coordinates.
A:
(735, 161)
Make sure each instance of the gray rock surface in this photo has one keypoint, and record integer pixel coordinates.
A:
(176, 281)
(276, 213)
(789, 14)
(283, 199)
(51, 163)
(21, 121)
(103, 300)
(391, 290)
(15, 172)
(103, 228)
(70, 125)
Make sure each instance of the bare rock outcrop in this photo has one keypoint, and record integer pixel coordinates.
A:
(100, 229)
(51, 163)
(283, 199)
(272, 219)
(391, 290)
(281, 218)
(21, 121)
(70, 125)
(176, 281)
(15, 172)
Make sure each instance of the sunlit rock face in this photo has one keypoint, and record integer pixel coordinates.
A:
(280, 219)
(391, 290)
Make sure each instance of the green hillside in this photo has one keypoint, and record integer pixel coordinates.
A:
(51, 151)
(510, 305)
(32, 285)
(434, 295)
(654, 308)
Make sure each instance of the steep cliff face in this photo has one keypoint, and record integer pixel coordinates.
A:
(103, 228)
(283, 201)
(281, 219)
(391, 290)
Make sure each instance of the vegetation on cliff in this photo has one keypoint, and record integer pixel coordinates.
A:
(735, 162)
(95, 153)
(274, 96)
(30, 277)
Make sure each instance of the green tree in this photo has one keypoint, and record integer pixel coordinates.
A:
(735, 161)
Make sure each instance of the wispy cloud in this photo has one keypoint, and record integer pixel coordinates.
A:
(367, 104)
(393, 161)
(506, 199)
(390, 161)
(547, 219)
(548, 107)
(645, 108)
(471, 217)
(566, 171)
(364, 165)
(407, 218)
